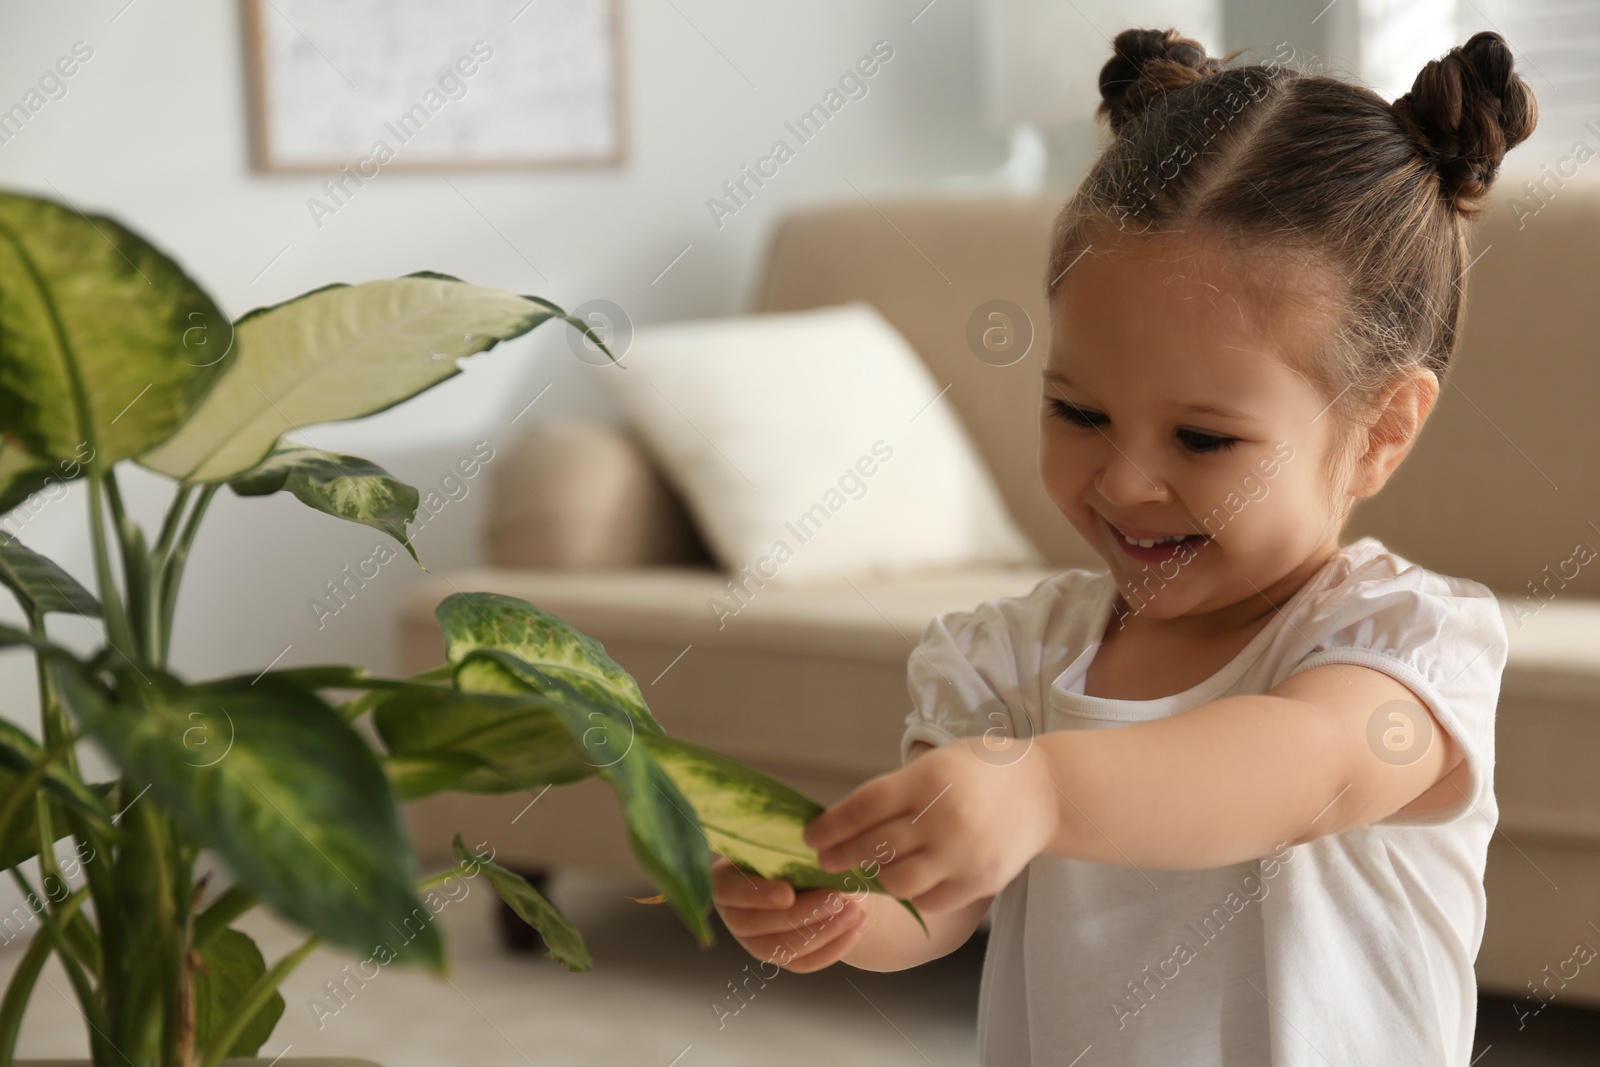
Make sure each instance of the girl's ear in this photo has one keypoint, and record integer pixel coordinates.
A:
(1406, 406)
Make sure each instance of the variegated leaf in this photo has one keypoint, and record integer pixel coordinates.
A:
(550, 646)
(562, 939)
(287, 793)
(39, 584)
(346, 487)
(336, 353)
(106, 345)
(753, 819)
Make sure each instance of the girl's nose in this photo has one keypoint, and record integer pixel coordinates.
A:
(1125, 480)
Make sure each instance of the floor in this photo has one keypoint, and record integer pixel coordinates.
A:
(654, 999)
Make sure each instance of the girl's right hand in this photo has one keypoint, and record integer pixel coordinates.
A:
(773, 923)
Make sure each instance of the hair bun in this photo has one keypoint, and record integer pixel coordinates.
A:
(1144, 65)
(1466, 110)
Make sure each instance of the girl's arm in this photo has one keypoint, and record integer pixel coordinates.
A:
(1237, 778)
(894, 941)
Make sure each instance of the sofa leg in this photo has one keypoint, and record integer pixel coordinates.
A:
(516, 935)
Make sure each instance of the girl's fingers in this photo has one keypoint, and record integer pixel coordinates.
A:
(867, 848)
(911, 874)
(872, 803)
(809, 912)
(825, 953)
(733, 887)
(807, 944)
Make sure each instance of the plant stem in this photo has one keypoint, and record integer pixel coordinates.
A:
(191, 962)
(30, 781)
(25, 977)
(78, 933)
(169, 526)
(53, 723)
(253, 1001)
(55, 730)
(160, 561)
(220, 913)
(88, 1003)
(458, 871)
(172, 570)
(44, 831)
(135, 567)
(119, 635)
(98, 869)
(168, 933)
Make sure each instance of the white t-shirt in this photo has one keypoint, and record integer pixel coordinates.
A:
(1355, 949)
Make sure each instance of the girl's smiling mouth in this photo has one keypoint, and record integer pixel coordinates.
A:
(1155, 553)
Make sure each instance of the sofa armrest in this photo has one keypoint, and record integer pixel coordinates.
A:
(578, 493)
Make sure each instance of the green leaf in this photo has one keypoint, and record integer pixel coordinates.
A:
(346, 487)
(662, 830)
(336, 353)
(286, 791)
(443, 738)
(22, 474)
(10, 635)
(39, 584)
(337, 677)
(353, 709)
(344, 677)
(329, 676)
(546, 643)
(19, 838)
(18, 753)
(753, 819)
(104, 341)
(230, 963)
(415, 777)
(560, 936)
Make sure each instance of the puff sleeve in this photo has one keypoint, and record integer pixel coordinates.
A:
(1442, 637)
(976, 670)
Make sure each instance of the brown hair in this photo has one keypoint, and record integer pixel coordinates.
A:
(1374, 197)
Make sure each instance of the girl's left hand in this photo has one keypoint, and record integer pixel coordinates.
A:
(962, 821)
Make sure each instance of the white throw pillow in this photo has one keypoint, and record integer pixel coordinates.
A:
(810, 445)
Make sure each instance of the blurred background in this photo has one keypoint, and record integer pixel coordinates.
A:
(218, 129)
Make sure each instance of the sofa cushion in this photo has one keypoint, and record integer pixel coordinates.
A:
(579, 493)
(935, 266)
(814, 444)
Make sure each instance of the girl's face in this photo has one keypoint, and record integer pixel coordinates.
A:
(1167, 409)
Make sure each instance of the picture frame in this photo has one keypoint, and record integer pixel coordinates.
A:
(361, 86)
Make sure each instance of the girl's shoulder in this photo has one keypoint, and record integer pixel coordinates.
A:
(1372, 597)
(1367, 568)
(1060, 602)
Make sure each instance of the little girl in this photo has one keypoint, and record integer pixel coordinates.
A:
(1229, 800)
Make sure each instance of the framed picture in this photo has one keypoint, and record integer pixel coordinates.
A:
(374, 85)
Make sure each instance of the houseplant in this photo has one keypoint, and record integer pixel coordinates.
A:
(110, 353)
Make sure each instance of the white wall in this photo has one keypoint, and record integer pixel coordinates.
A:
(153, 131)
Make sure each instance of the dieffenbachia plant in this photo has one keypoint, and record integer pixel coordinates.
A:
(109, 353)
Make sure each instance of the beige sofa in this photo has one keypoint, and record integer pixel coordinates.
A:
(808, 683)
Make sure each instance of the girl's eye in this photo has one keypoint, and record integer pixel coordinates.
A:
(1194, 440)
(1070, 412)
(1205, 442)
